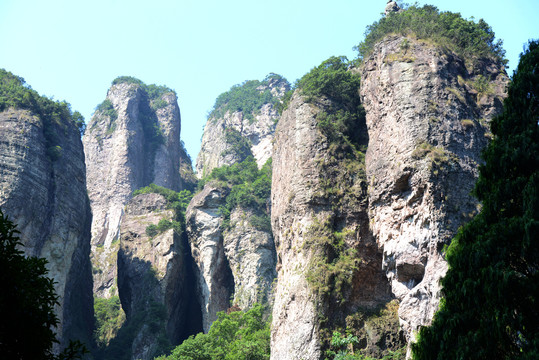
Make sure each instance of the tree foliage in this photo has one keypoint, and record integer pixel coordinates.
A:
(250, 188)
(14, 92)
(27, 303)
(470, 39)
(177, 201)
(332, 80)
(233, 336)
(490, 307)
(248, 97)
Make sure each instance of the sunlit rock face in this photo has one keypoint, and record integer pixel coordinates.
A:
(130, 144)
(427, 123)
(43, 190)
(258, 127)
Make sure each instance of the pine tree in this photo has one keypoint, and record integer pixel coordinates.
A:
(490, 307)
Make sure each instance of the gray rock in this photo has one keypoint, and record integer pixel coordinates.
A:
(427, 128)
(213, 152)
(47, 200)
(152, 275)
(122, 156)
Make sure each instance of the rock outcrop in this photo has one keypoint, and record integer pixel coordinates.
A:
(328, 263)
(227, 125)
(231, 265)
(427, 121)
(154, 278)
(132, 140)
(215, 284)
(43, 190)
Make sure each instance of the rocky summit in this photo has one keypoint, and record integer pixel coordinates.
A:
(330, 203)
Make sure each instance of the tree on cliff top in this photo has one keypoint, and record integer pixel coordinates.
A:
(490, 307)
(27, 303)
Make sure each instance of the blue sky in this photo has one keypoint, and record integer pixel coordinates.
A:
(73, 49)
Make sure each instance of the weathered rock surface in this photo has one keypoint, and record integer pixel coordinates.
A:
(235, 265)
(250, 252)
(138, 147)
(215, 284)
(216, 151)
(427, 124)
(153, 277)
(302, 214)
(47, 199)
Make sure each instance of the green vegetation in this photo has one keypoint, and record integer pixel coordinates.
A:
(249, 97)
(237, 145)
(154, 91)
(491, 290)
(233, 336)
(154, 317)
(332, 80)
(341, 120)
(27, 302)
(333, 263)
(106, 108)
(109, 318)
(178, 201)
(370, 335)
(449, 30)
(55, 115)
(249, 189)
(438, 156)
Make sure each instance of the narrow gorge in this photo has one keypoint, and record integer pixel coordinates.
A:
(325, 205)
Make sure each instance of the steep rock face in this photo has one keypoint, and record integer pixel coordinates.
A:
(304, 217)
(44, 192)
(235, 265)
(153, 277)
(188, 179)
(217, 147)
(250, 252)
(427, 120)
(214, 278)
(130, 143)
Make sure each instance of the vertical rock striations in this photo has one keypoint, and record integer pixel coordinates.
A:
(328, 263)
(132, 140)
(215, 284)
(427, 115)
(234, 263)
(153, 277)
(43, 190)
(242, 122)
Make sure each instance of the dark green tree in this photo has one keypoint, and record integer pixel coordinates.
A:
(27, 303)
(490, 307)
(234, 335)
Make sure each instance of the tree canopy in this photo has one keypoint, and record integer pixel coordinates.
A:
(14, 92)
(234, 335)
(490, 307)
(450, 30)
(27, 302)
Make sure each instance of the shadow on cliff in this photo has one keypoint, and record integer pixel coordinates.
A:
(160, 314)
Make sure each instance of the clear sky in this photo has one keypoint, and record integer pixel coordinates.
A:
(72, 49)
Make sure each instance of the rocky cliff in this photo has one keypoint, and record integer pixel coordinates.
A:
(132, 140)
(427, 118)
(154, 278)
(328, 262)
(234, 257)
(360, 218)
(43, 190)
(243, 121)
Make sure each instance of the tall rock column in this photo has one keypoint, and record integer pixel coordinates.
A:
(230, 121)
(328, 263)
(132, 140)
(43, 190)
(427, 120)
